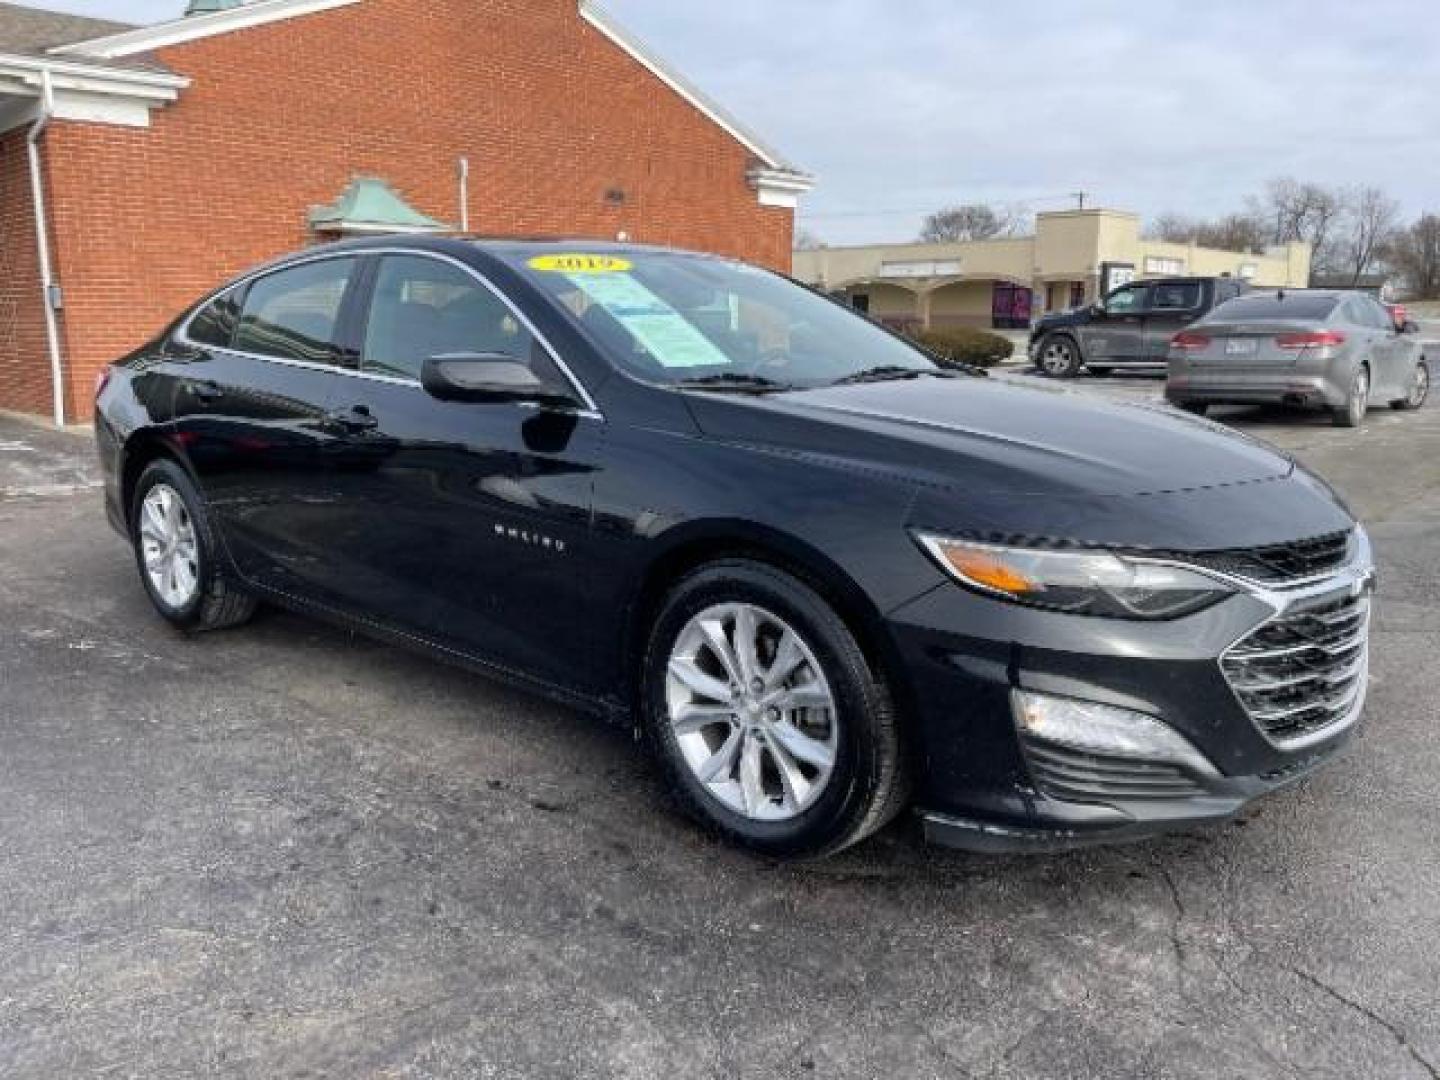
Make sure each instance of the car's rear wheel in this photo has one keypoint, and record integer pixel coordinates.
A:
(175, 547)
(1357, 401)
(769, 723)
(1418, 390)
(1199, 408)
(1059, 357)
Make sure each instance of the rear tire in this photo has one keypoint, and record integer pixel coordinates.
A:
(1419, 389)
(175, 550)
(1059, 357)
(1357, 401)
(790, 746)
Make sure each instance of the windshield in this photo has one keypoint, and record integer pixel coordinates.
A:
(680, 319)
(1274, 307)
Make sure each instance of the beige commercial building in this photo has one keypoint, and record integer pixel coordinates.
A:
(1073, 257)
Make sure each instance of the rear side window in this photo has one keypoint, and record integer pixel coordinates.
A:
(294, 314)
(1176, 296)
(1270, 307)
(214, 324)
(425, 307)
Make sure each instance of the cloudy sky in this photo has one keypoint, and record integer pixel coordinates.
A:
(1162, 105)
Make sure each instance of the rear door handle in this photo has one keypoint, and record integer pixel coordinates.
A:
(355, 418)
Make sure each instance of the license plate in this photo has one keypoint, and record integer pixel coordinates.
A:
(1241, 347)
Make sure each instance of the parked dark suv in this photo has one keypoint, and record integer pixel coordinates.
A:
(1130, 328)
(824, 577)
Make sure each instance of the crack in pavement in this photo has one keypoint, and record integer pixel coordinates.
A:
(1395, 1030)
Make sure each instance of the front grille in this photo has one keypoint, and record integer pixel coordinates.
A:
(1304, 670)
(1081, 776)
(1293, 561)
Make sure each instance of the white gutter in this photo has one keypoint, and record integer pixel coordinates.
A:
(42, 240)
(464, 171)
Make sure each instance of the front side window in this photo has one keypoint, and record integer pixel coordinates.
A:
(1126, 301)
(672, 318)
(424, 307)
(294, 314)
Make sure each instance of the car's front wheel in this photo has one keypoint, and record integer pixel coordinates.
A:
(1417, 391)
(175, 548)
(770, 724)
(1059, 357)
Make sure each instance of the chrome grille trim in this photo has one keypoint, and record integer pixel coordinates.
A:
(1301, 674)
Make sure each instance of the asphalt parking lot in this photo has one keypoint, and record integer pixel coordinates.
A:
(284, 851)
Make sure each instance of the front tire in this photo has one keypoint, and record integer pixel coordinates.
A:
(769, 724)
(1418, 391)
(175, 550)
(1357, 401)
(1059, 357)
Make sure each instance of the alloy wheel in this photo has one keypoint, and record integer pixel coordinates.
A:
(168, 546)
(752, 712)
(1055, 358)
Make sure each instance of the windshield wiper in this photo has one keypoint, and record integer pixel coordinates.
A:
(891, 373)
(731, 381)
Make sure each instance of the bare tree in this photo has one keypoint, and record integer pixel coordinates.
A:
(1234, 232)
(973, 221)
(1416, 254)
(1370, 228)
(1174, 228)
(808, 240)
(1309, 213)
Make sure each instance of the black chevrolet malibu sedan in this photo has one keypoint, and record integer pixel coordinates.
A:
(824, 577)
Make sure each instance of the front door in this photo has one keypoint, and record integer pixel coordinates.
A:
(1174, 305)
(465, 523)
(257, 368)
(1117, 334)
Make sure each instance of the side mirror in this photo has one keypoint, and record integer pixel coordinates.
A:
(1097, 309)
(1410, 326)
(491, 377)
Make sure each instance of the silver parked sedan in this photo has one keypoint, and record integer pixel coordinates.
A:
(1339, 351)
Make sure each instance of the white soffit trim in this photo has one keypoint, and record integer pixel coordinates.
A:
(92, 93)
(778, 187)
(597, 17)
(195, 27)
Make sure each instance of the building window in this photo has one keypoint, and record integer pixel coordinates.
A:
(1156, 264)
(1248, 271)
(860, 302)
(1077, 294)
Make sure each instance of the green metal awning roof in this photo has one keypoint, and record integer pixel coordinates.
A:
(370, 205)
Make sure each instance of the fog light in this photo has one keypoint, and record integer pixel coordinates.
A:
(1104, 729)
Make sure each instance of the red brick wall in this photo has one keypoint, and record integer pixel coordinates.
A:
(24, 359)
(550, 113)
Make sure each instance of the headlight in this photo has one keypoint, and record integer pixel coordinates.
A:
(1078, 582)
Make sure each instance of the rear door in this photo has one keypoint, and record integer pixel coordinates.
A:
(251, 407)
(1174, 305)
(1117, 334)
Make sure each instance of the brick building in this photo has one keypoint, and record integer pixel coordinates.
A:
(170, 157)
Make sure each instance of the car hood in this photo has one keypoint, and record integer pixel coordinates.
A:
(993, 435)
(1001, 459)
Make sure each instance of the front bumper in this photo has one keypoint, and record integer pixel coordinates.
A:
(983, 787)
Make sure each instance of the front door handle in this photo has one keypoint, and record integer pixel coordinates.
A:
(354, 419)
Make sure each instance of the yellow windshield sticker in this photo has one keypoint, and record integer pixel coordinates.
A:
(580, 264)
